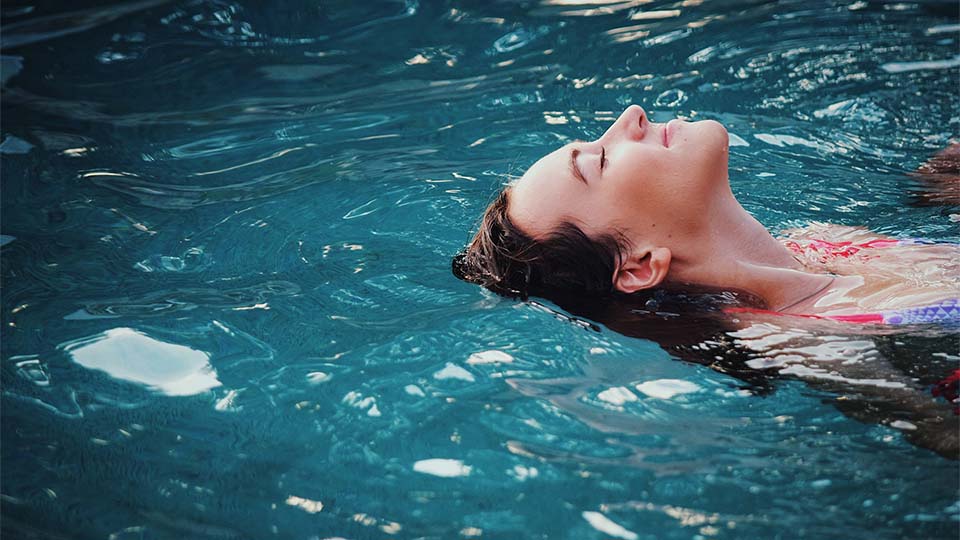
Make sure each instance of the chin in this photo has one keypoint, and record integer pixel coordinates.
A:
(714, 155)
(711, 140)
(716, 132)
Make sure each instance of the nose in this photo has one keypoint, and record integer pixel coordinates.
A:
(631, 124)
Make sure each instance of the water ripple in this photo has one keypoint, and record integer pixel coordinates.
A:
(181, 197)
(279, 189)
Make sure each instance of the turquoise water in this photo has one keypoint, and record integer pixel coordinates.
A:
(227, 304)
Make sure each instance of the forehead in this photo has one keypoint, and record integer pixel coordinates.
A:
(545, 195)
(543, 167)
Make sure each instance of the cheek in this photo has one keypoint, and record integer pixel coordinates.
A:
(634, 195)
(649, 180)
(660, 198)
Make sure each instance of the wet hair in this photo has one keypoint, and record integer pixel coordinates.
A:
(575, 271)
(566, 261)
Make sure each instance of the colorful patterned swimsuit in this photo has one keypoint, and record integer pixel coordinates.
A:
(944, 312)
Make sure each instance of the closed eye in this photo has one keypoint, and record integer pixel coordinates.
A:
(603, 158)
(574, 168)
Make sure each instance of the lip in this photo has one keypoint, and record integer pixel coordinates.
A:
(667, 134)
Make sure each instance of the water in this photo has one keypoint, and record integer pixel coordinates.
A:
(227, 304)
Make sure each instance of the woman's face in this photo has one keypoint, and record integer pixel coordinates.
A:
(648, 181)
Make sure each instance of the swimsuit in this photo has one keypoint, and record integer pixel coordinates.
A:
(944, 312)
(845, 250)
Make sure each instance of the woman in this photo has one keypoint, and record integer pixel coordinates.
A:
(649, 206)
(641, 224)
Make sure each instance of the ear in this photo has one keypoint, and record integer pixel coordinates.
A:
(642, 270)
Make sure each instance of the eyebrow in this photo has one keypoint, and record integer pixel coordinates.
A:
(574, 170)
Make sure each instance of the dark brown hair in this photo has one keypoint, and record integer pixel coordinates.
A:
(575, 271)
(508, 261)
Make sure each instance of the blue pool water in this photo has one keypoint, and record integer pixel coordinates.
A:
(227, 303)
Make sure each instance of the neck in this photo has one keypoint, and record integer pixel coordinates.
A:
(732, 250)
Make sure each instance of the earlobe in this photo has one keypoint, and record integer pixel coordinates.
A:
(643, 270)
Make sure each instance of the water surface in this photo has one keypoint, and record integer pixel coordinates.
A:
(227, 305)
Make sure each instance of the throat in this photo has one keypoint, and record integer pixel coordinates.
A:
(734, 251)
(728, 234)
(750, 242)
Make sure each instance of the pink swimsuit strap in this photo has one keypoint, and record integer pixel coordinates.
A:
(946, 312)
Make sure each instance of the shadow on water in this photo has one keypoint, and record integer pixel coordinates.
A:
(874, 374)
